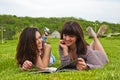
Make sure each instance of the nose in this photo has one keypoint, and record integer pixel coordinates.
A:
(67, 37)
(40, 40)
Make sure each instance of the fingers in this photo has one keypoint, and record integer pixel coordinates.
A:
(80, 59)
(27, 65)
(62, 43)
(81, 65)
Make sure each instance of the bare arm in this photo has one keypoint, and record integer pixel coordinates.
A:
(46, 56)
(44, 61)
(40, 62)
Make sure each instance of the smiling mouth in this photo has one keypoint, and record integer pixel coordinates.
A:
(67, 42)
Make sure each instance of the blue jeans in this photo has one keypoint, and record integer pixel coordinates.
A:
(52, 59)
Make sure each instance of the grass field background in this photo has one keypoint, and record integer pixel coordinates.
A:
(10, 71)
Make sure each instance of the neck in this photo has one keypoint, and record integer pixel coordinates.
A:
(72, 52)
(72, 48)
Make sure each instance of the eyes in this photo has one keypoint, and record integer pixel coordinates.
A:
(40, 37)
(68, 35)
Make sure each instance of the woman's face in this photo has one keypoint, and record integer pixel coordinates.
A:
(69, 40)
(38, 40)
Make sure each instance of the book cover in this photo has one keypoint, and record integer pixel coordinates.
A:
(67, 67)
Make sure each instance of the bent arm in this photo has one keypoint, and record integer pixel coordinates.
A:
(63, 58)
(46, 56)
(44, 61)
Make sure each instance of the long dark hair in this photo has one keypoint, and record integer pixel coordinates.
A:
(73, 28)
(27, 47)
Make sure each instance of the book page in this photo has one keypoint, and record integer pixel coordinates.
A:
(46, 70)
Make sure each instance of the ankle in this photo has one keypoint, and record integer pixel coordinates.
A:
(95, 36)
(91, 32)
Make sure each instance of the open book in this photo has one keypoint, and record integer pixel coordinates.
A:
(67, 67)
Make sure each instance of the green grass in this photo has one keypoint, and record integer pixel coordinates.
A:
(10, 71)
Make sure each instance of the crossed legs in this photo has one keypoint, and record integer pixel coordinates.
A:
(96, 45)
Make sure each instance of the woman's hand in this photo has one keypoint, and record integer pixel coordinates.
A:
(81, 65)
(62, 44)
(64, 47)
(26, 65)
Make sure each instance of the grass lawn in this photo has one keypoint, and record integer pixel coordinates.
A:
(10, 71)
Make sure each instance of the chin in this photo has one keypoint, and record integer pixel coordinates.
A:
(39, 48)
(68, 45)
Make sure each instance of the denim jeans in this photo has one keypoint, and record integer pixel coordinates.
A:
(52, 59)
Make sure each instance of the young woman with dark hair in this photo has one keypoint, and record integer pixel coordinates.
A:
(31, 50)
(74, 47)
